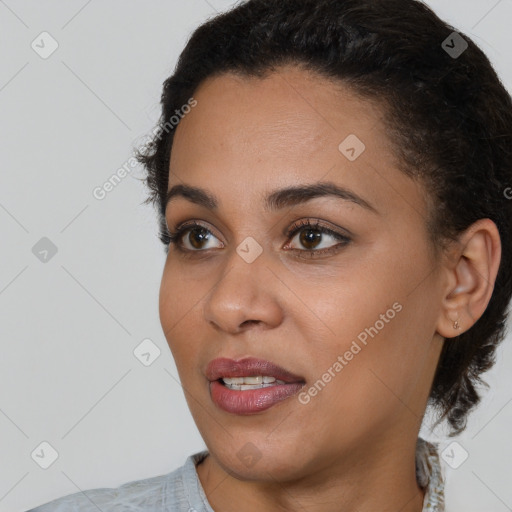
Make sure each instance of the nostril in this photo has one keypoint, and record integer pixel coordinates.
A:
(248, 322)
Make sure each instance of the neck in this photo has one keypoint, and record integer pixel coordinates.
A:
(376, 478)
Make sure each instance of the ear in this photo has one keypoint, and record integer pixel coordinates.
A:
(472, 270)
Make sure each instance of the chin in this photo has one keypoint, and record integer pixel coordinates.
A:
(247, 458)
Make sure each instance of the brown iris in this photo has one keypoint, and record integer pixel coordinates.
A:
(310, 236)
(198, 236)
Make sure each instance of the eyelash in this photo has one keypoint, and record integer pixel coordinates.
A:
(176, 236)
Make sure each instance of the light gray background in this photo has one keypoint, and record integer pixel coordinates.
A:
(69, 327)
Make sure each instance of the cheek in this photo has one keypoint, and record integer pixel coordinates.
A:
(180, 293)
(373, 332)
(357, 387)
(177, 304)
(167, 302)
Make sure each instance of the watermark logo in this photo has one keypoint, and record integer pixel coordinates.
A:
(147, 352)
(454, 455)
(44, 455)
(352, 147)
(454, 45)
(44, 250)
(44, 45)
(249, 454)
(249, 249)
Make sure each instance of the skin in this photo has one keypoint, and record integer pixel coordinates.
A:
(352, 447)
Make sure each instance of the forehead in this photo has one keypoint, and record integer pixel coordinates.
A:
(253, 134)
(289, 111)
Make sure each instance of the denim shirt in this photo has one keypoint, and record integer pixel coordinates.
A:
(181, 490)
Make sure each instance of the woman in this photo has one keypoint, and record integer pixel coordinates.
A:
(331, 182)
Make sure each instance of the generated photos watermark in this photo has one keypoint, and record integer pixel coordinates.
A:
(355, 348)
(101, 191)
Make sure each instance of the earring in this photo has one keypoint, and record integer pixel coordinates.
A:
(456, 325)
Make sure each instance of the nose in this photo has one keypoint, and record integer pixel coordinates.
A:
(246, 294)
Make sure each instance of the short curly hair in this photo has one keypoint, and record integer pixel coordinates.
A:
(448, 116)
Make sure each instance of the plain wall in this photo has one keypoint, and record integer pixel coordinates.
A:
(69, 326)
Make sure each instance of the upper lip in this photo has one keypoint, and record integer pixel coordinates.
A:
(223, 367)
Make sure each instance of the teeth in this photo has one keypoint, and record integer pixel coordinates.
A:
(252, 380)
(234, 380)
(246, 383)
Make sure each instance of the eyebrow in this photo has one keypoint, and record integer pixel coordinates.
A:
(276, 200)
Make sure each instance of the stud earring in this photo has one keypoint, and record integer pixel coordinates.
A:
(456, 325)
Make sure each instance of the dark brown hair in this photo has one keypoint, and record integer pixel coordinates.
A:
(448, 116)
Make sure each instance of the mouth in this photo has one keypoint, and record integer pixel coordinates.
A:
(250, 385)
(253, 382)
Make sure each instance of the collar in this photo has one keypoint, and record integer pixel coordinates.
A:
(429, 476)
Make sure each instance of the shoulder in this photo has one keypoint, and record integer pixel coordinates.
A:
(159, 493)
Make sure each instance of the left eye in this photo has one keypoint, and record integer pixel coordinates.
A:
(312, 237)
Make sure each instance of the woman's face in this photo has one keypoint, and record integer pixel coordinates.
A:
(350, 312)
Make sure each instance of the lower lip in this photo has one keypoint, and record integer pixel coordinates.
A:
(252, 400)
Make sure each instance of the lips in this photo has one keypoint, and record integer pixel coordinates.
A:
(250, 401)
(227, 368)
